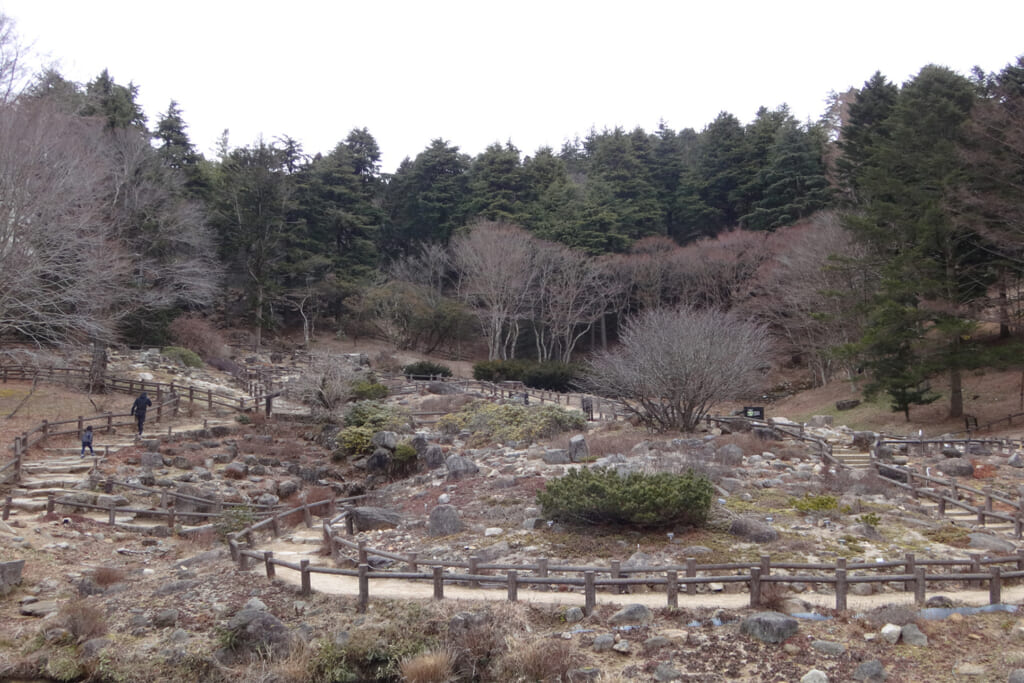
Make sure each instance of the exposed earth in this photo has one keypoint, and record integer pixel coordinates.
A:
(136, 606)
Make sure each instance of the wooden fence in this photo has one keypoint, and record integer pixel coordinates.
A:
(167, 396)
(914, 574)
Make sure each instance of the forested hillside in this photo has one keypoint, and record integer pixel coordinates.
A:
(885, 237)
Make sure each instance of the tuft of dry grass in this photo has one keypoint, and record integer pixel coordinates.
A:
(539, 660)
(83, 620)
(108, 576)
(436, 666)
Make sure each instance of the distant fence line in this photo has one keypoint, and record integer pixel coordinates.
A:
(976, 572)
(167, 396)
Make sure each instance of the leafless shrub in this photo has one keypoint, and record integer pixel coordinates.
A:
(428, 667)
(539, 660)
(387, 362)
(199, 335)
(83, 619)
(326, 385)
(773, 596)
(108, 576)
(450, 403)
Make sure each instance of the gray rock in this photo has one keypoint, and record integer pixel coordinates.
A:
(165, 618)
(533, 523)
(388, 440)
(151, 459)
(267, 499)
(863, 441)
(92, 647)
(433, 457)
(631, 614)
(730, 455)
(444, 520)
(10, 575)
(459, 466)
(694, 550)
(367, 518)
(870, 671)
(814, 676)
(573, 615)
(828, 647)
(638, 559)
(39, 608)
(819, 421)
(236, 470)
(847, 404)
(603, 643)
(1016, 676)
(912, 635)
(257, 629)
(578, 449)
(622, 647)
(1016, 460)
(956, 467)
(665, 672)
(556, 456)
(982, 541)
(938, 601)
(181, 462)
(656, 643)
(753, 530)
(769, 627)
(287, 488)
(378, 461)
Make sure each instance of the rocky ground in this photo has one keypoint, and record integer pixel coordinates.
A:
(114, 605)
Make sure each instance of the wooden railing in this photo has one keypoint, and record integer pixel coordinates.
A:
(915, 574)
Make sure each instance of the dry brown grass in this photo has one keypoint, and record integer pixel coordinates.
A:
(435, 666)
(545, 659)
(108, 576)
(83, 620)
(313, 494)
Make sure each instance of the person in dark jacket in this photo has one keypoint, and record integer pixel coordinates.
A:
(87, 441)
(139, 409)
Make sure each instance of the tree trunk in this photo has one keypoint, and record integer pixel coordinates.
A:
(97, 369)
(956, 393)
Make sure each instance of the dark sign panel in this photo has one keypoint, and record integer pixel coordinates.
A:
(754, 412)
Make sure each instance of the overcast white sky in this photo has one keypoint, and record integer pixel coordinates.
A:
(476, 72)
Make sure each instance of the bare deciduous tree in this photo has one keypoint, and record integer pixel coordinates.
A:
(13, 69)
(62, 268)
(673, 365)
(326, 385)
(496, 277)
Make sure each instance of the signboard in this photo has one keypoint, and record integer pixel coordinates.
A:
(754, 412)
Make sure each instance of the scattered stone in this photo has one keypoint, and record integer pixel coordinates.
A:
(603, 643)
(433, 457)
(956, 467)
(622, 647)
(165, 618)
(556, 456)
(665, 672)
(890, 633)
(1016, 460)
(578, 449)
(870, 671)
(814, 676)
(590, 673)
(753, 530)
(847, 404)
(968, 669)
(769, 627)
(459, 466)
(367, 518)
(912, 635)
(828, 647)
(10, 575)
(493, 531)
(656, 643)
(39, 608)
(573, 615)
(1016, 676)
(631, 614)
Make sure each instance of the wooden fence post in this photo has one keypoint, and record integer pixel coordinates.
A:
(364, 588)
(975, 568)
(268, 562)
(513, 585)
(995, 587)
(350, 524)
(362, 553)
(919, 585)
(412, 562)
(49, 503)
(439, 583)
(691, 572)
(474, 563)
(307, 516)
(275, 527)
(589, 592)
(243, 560)
(755, 586)
(841, 584)
(306, 585)
(616, 573)
(910, 564)
(7, 508)
(542, 572)
(672, 589)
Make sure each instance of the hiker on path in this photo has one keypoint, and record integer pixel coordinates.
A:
(139, 409)
(87, 441)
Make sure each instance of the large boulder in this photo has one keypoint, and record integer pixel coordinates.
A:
(367, 518)
(578, 449)
(444, 520)
(10, 575)
(957, 467)
(388, 440)
(432, 456)
(632, 614)
(769, 627)
(753, 530)
(460, 466)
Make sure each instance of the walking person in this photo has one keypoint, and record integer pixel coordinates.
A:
(87, 441)
(139, 409)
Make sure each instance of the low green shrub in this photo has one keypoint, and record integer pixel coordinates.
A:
(375, 415)
(403, 460)
(190, 359)
(426, 368)
(549, 375)
(356, 440)
(369, 391)
(602, 496)
(811, 505)
(511, 422)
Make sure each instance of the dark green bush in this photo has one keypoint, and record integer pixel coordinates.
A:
(550, 375)
(356, 440)
(375, 415)
(189, 359)
(602, 496)
(404, 460)
(426, 368)
(369, 391)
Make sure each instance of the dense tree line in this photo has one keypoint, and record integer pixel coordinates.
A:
(886, 236)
